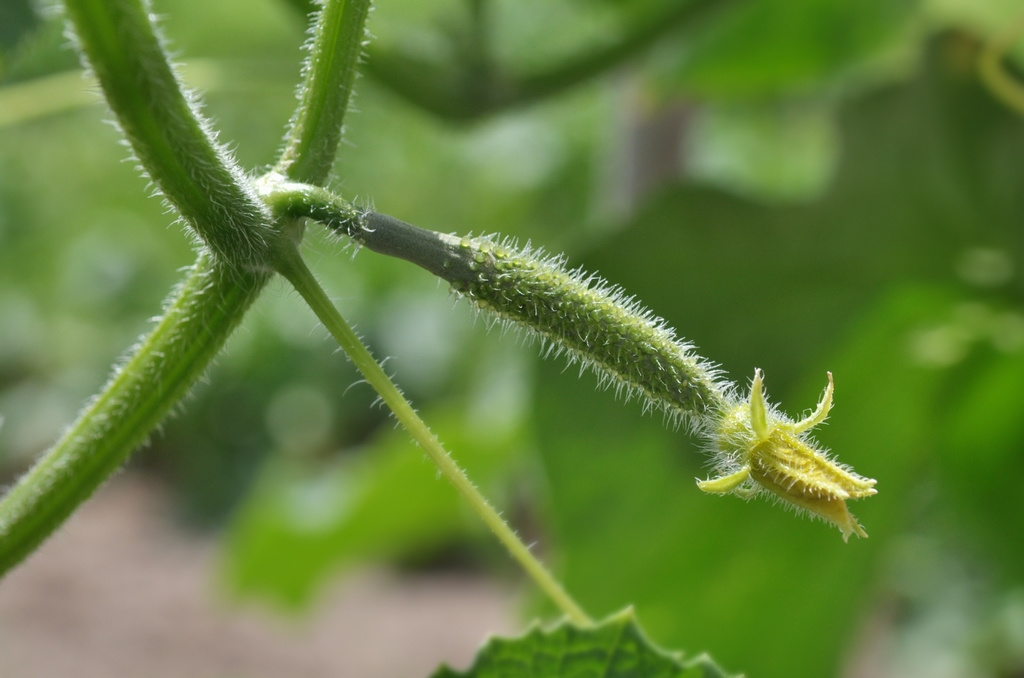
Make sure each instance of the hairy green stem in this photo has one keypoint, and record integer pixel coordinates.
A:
(198, 319)
(173, 143)
(292, 267)
(461, 92)
(200, 179)
(120, 44)
(314, 132)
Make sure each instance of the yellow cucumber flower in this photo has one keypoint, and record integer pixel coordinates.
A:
(761, 449)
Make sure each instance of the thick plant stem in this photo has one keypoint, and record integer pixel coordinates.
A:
(198, 319)
(292, 267)
(173, 143)
(471, 90)
(314, 132)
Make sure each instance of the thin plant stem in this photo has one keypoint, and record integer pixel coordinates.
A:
(314, 132)
(992, 71)
(292, 267)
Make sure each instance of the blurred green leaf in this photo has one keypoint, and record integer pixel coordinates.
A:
(614, 648)
(779, 153)
(771, 47)
(981, 462)
(19, 19)
(303, 525)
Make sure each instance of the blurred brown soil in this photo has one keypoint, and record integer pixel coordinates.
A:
(120, 592)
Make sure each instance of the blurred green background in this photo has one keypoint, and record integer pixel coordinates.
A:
(795, 185)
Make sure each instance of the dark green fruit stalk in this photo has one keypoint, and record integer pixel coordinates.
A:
(573, 312)
(592, 322)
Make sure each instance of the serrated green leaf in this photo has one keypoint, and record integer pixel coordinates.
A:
(615, 648)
